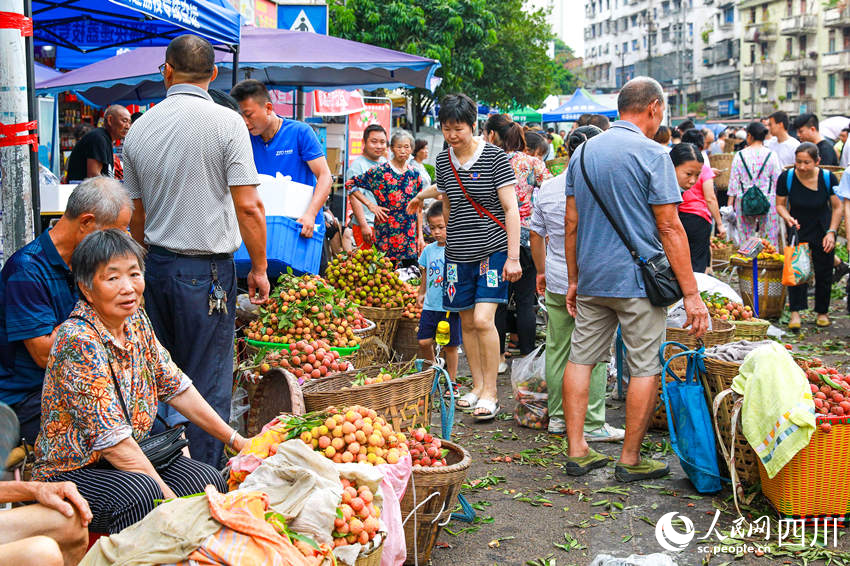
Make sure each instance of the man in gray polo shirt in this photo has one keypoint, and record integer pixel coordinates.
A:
(634, 177)
(189, 169)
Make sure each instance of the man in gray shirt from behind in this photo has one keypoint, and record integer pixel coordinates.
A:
(634, 177)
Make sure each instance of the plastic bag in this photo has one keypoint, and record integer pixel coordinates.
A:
(730, 223)
(656, 559)
(798, 264)
(239, 405)
(528, 381)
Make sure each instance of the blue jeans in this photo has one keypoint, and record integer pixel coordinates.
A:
(201, 344)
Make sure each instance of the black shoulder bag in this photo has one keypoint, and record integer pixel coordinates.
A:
(162, 448)
(659, 281)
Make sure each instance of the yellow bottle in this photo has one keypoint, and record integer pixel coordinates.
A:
(443, 333)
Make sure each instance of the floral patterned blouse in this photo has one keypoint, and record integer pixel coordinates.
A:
(80, 412)
(530, 173)
(393, 189)
(739, 181)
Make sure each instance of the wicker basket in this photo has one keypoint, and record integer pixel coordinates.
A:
(422, 528)
(718, 378)
(371, 559)
(277, 392)
(386, 323)
(723, 162)
(753, 330)
(812, 484)
(372, 351)
(770, 287)
(721, 332)
(403, 402)
(406, 345)
(370, 330)
(720, 257)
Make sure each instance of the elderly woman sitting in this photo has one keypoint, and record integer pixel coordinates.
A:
(108, 339)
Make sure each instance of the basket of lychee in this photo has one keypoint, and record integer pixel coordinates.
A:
(304, 360)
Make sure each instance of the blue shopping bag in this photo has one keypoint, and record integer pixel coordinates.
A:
(689, 421)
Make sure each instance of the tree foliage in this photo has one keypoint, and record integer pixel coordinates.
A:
(492, 50)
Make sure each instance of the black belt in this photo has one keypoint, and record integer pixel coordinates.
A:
(159, 250)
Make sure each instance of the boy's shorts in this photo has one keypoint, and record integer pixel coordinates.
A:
(468, 283)
(428, 326)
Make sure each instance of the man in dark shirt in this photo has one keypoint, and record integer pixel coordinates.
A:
(92, 156)
(37, 293)
(807, 131)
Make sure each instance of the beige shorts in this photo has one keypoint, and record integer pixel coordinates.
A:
(643, 327)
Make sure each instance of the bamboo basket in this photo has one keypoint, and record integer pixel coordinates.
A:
(372, 351)
(277, 392)
(753, 330)
(770, 287)
(386, 323)
(718, 378)
(403, 402)
(720, 257)
(371, 559)
(721, 332)
(723, 162)
(370, 330)
(406, 345)
(423, 527)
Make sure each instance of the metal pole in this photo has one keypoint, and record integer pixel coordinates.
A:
(32, 111)
(235, 78)
(16, 225)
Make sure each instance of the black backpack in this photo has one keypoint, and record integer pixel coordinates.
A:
(754, 202)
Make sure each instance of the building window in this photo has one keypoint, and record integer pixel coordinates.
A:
(634, 20)
(801, 87)
(665, 35)
(690, 30)
(804, 42)
(752, 15)
(644, 42)
(752, 54)
(789, 11)
(635, 45)
(729, 15)
(625, 24)
(789, 48)
(802, 6)
(831, 47)
(625, 47)
(831, 84)
(846, 85)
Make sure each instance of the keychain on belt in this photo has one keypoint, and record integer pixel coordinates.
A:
(218, 297)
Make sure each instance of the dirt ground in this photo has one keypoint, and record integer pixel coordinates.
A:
(530, 513)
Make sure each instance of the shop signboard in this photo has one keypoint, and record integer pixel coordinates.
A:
(337, 102)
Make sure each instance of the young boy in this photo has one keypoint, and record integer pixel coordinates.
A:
(431, 264)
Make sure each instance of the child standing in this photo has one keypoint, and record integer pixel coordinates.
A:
(431, 264)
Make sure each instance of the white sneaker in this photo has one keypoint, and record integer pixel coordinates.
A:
(503, 367)
(605, 433)
(557, 425)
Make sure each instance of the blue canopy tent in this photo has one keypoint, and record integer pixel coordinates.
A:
(95, 25)
(579, 103)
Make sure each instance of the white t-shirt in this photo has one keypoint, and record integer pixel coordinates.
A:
(784, 150)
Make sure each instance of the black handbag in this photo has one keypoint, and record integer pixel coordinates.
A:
(163, 448)
(659, 281)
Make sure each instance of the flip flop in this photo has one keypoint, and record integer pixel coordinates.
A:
(471, 400)
(448, 395)
(492, 408)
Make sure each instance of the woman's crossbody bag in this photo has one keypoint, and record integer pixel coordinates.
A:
(659, 281)
(161, 448)
(475, 205)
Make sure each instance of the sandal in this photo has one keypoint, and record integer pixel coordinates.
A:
(492, 408)
(448, 394)
(470, 399)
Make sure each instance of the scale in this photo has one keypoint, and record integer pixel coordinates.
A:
(751, 249)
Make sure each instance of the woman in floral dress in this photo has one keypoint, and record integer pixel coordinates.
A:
(394, 184)
(752, 158)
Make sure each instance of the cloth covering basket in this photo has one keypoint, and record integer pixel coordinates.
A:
(770, 287)
(719, 376)
(406, 345)
(404, 402)
(812, 485)
(721, 332)
(442, 485)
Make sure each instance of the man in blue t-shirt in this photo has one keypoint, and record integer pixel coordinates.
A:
(37, 293)
(288, 147)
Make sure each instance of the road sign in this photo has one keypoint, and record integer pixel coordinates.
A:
(303, 17)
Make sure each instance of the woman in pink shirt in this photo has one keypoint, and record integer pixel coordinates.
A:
(699, 203)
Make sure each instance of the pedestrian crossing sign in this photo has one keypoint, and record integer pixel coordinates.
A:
(303, 17)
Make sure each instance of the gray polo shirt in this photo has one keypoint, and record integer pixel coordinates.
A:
(547, 219)
(181, 158)
(630, 173)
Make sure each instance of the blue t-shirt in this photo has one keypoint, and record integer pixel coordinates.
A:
(433, 259)
(288, 152)
(630, 173)
(37, 294)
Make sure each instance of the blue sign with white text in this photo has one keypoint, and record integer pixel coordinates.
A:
(303, 18)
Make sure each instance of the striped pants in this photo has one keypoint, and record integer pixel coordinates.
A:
(119, 499)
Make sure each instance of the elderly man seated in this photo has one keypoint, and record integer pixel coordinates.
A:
(37, 293)
(105, 377)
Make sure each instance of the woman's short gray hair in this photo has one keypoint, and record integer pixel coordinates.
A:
(101, 196)
(398, 134)
(98, 249)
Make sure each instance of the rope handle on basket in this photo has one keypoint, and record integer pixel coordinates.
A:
(729, 453)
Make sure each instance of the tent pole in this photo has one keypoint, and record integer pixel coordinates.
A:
(235, 79)
(32, 110)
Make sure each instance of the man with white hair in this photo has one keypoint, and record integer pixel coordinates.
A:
(92, 156)
(37, 293)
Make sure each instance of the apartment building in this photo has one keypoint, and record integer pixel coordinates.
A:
(659, 38)
(835, 62)
(718, 68)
